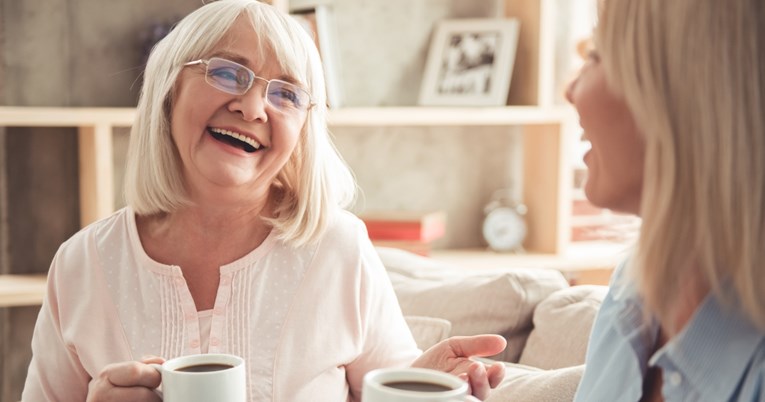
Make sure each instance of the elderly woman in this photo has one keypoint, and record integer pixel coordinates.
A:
(234, 239)
(672, 100)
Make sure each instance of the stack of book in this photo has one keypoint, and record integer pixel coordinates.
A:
(413, 231)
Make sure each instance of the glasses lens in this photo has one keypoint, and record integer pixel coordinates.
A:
(229, 76)
(285, 96)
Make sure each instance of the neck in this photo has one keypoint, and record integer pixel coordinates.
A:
(690, 296)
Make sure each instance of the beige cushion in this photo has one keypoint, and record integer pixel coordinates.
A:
(428, 331)
(474, 301)
(530, 384)
(562, 325)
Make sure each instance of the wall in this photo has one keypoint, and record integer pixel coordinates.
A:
(455, 169)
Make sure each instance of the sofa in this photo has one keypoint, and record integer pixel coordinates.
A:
(546, 321)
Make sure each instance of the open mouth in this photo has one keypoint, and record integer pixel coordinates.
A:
(235, 139)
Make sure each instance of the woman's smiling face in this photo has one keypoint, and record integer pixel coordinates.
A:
(615, 162)
(232, 145)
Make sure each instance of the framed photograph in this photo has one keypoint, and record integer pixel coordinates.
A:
(470, 63)
(317, 20)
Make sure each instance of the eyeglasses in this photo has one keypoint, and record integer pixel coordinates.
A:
(236, 79)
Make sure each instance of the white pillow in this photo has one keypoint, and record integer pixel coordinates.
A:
(562, 325)
(498, 301)
(428, 331)
(530, 384)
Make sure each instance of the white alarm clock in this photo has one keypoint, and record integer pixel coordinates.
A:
(504, 227)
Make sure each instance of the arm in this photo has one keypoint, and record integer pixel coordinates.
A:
(55, 373)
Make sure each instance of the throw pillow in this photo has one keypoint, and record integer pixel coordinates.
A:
(562, 325)
(428, 331)
(498, 301)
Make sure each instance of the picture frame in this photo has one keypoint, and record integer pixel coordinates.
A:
(470, 62)
(317, 20)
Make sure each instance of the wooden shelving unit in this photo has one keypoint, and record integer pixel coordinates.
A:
(95, 127)
(546, 175)
(21, 290)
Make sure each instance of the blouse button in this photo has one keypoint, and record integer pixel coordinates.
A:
(214, 341)
(194, 343)
(675, 378)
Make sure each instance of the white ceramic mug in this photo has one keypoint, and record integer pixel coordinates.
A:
(413, 385)
(182, 380)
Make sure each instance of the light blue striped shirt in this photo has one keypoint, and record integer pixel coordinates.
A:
(719, 356)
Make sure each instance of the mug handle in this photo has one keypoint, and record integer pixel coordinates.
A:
(159, 368)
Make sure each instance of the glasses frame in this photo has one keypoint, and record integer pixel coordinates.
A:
(253, 77)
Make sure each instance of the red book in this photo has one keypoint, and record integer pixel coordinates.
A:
(405, 225)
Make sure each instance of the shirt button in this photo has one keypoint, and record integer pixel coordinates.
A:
(194, 343)
(675, 378)
(214, 341)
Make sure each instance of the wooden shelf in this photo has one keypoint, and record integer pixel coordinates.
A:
(21, 290)
(448, 116)
(95, 126)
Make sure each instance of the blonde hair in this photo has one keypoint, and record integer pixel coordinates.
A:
(314, 181)
(692, 73)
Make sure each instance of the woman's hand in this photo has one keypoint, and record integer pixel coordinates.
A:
(127, 381)
(453, 356)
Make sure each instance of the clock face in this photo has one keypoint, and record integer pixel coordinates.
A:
(504, 229)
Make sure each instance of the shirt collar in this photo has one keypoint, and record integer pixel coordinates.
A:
(718, 339)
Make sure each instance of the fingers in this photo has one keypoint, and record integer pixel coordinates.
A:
(151, 359)
(126, 381)
(495, 374)
(479, 381)
(478, 345)
(130, 374)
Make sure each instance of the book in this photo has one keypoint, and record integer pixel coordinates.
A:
(405, 225)
(318, 21)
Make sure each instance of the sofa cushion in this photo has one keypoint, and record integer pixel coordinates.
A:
(562, 325)
(497, 301)
(428, 331)
(530, 384)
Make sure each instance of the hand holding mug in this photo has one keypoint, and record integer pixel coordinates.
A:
(126, 381)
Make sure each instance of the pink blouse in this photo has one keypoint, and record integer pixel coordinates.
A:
(310, 322)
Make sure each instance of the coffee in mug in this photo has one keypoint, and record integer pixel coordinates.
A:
(413, 385)
(203, 368)
(203, 378)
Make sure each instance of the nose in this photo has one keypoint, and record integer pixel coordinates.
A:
(251, 105)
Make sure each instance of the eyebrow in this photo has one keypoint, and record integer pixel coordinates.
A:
(244, 61)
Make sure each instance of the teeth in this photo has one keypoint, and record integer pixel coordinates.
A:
(238, 136)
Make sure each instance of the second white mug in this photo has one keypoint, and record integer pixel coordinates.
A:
(413, 385)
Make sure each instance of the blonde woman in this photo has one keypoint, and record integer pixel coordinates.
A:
(234, 239)
(672, 99)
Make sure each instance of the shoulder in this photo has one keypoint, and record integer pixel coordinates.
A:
(87, 245)
(344, 229)
(346, 242)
